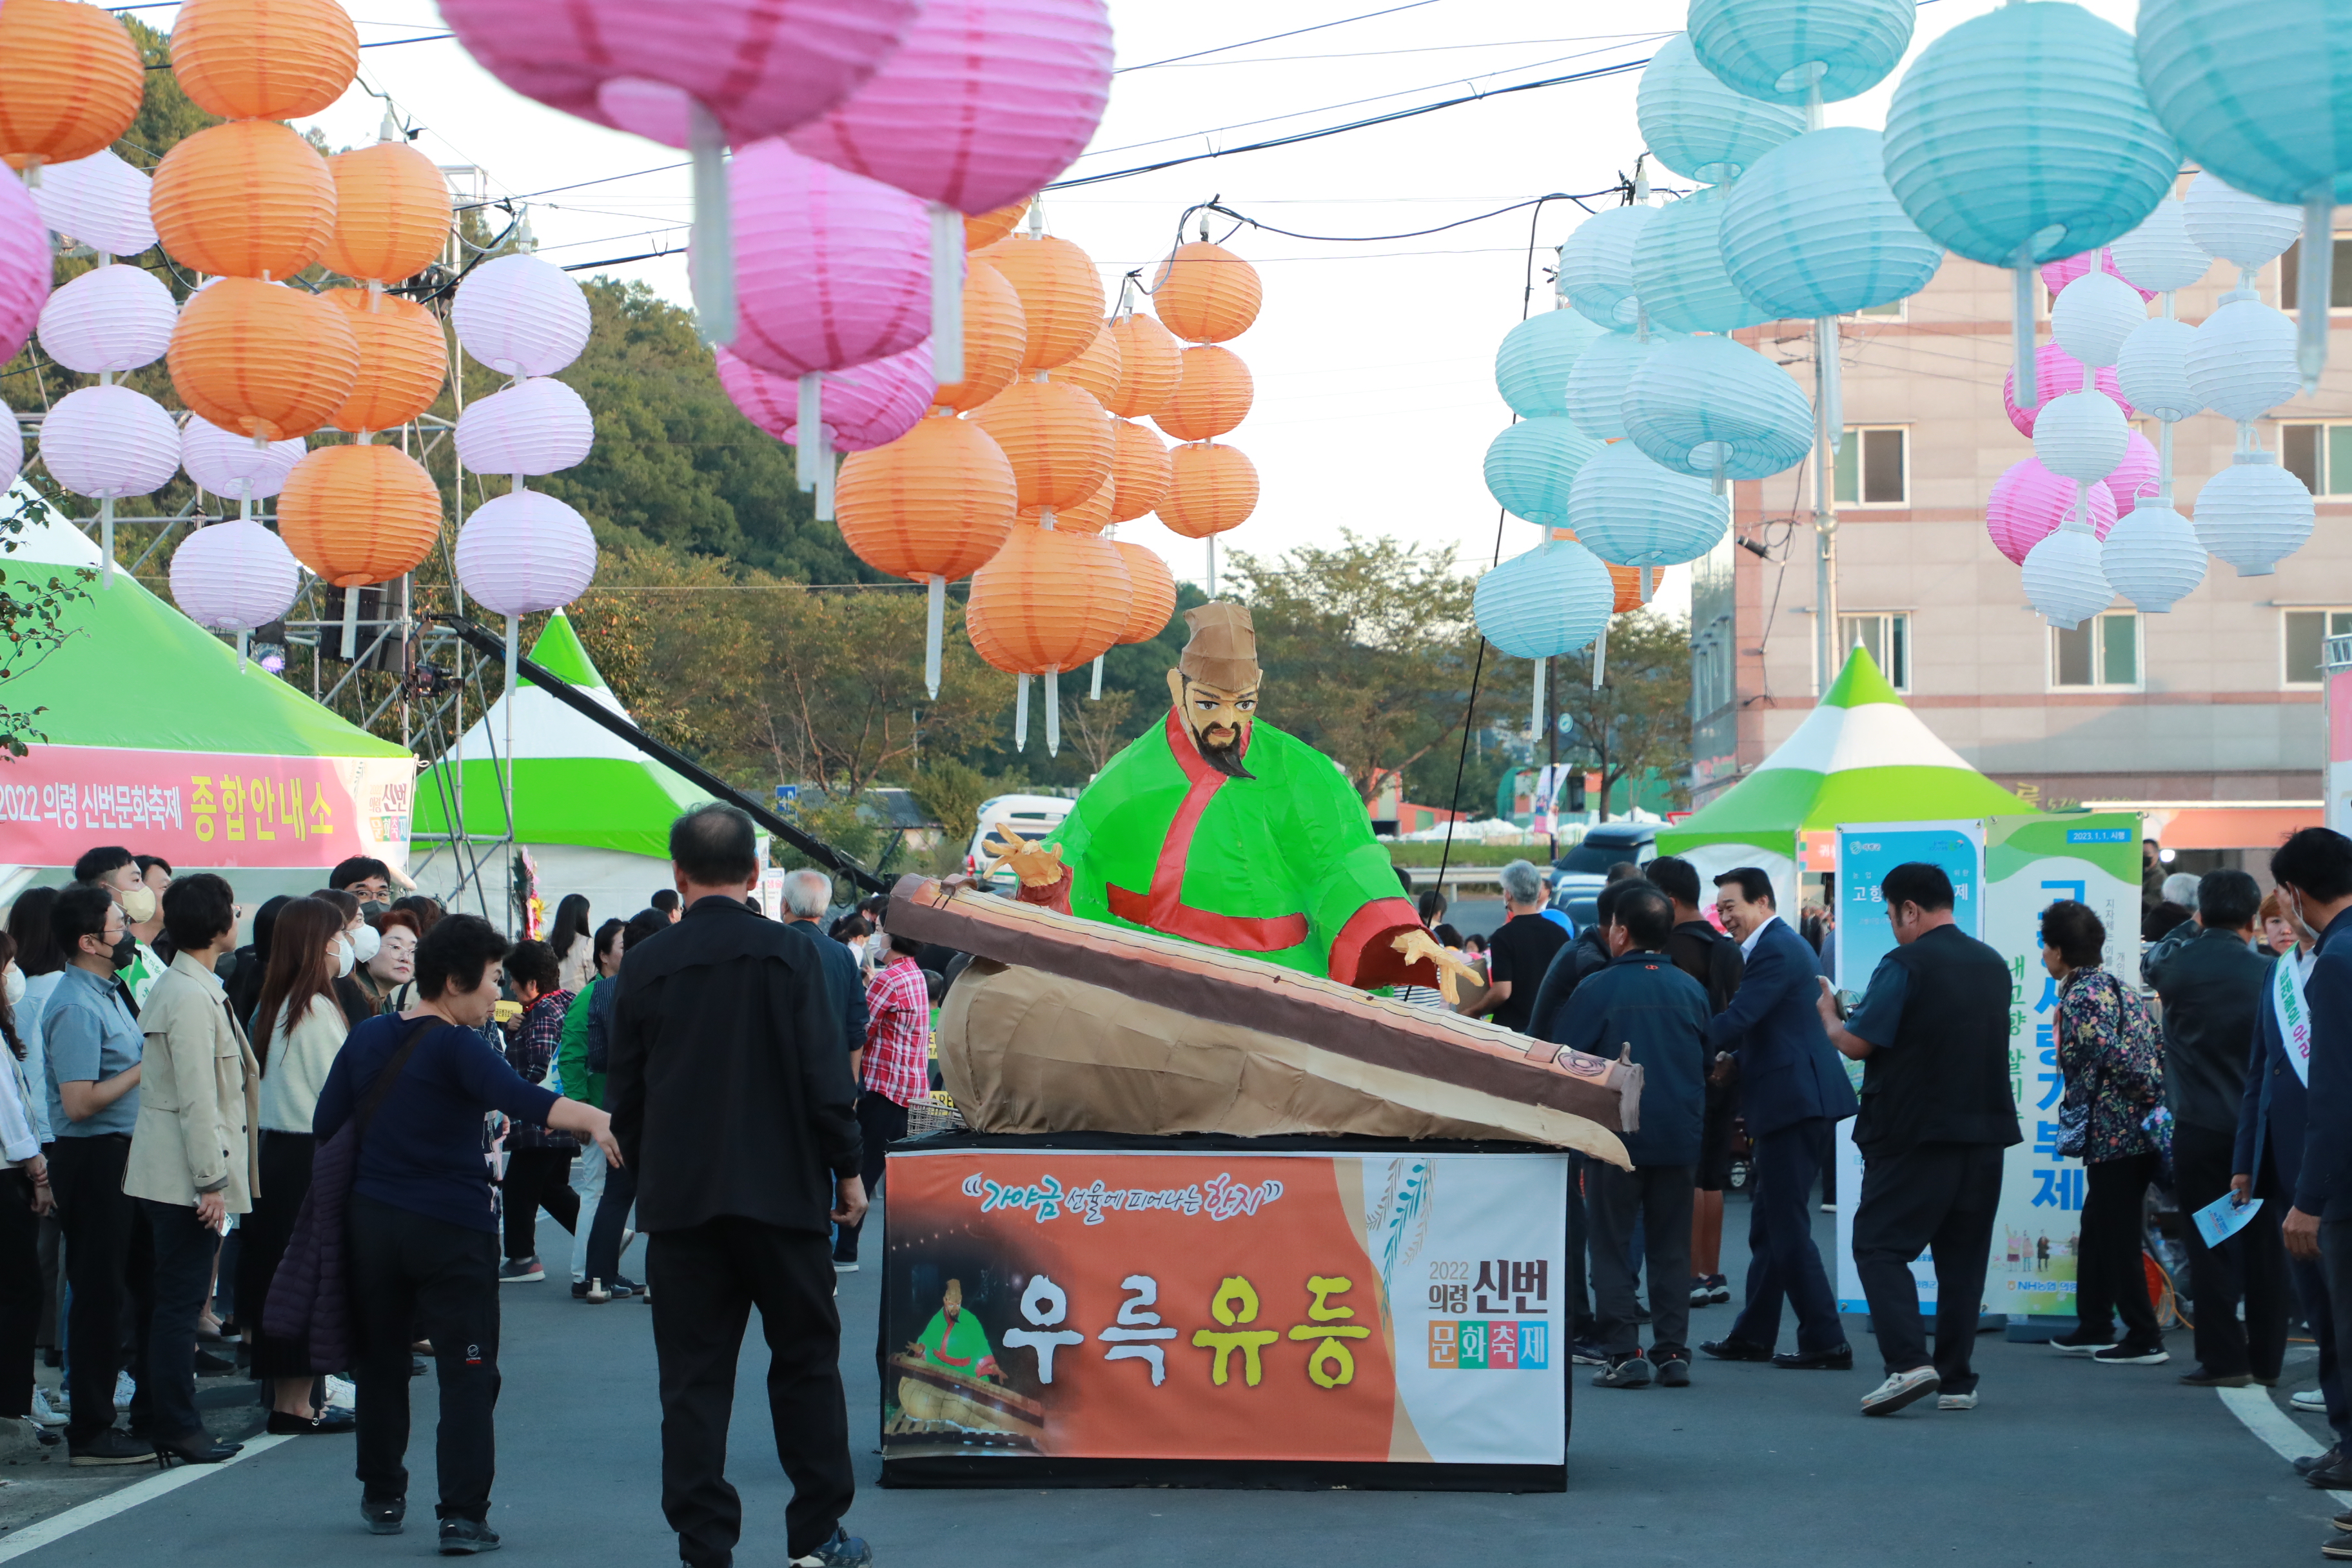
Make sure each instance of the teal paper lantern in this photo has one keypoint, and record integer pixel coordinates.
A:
(1553, 600)
(1814, 230)
(1531, 466)
(1631, 512)
(1531, 367)
(1679, 274)
(1779, 50)
(1715, 407)
(1699, 128)
(1596, 386)
(1596, 267)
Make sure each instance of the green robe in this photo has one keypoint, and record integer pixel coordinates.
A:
(1281, 865)
(959, 1349)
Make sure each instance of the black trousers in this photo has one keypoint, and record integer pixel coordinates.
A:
(1783, 1262)
(2250, 1266)
(612, 1218)
(109, 1268)
(2309, 1277)
(1939, 1196)
(705, 1280)
(2333, 1278)
(881, 1121)
(2110, 1281)
(1656, 1198)
(537, 1179)
(20, 1291)
(184, 1249)
(285, 1171)
(412, 1274)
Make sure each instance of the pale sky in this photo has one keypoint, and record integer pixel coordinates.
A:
(1373, 362)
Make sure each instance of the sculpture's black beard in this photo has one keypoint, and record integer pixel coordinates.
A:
(1226, 760)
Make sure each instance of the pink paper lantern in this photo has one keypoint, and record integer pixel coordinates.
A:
(864, 408)
(523, 552)
(234, 576)
(831, 267)
(24, 264)
(2134, 479)
(2056, 373)
(2056, 275)
(2028, 502)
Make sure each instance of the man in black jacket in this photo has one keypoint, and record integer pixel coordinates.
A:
(1712, 959)
(2211, 986)
(732, 1099)
(1932, 1033)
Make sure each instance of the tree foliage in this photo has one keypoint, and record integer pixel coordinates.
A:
(1638, 720)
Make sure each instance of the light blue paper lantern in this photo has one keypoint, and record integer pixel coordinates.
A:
(1679, 274)
(1706, 406)
(1699, 128)
(1596, 265)
(1631, 512)
(1531, 367)
(2256, 92)
(1553, 600)
(1778, 50)
(1814, 230)
(1530, 466)
(1596, 386)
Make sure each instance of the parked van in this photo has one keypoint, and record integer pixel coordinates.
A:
(1031, 815)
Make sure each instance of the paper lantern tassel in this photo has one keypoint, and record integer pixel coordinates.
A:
(714, 226)
(1095, 694)
(934, 628)
(1053, 713)
(808, 429)
(2028, 396)
(947, 294)
(2314, 284)
(1021, 715)
(1536, 721)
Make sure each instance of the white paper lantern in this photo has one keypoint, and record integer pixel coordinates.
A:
(234, 576)
(521, 316)
(1631, 512)
(2094, 315)
(2151, 557)
(2242, 362)
(2081, 435)
(1596, 265)
(2153, 369)
(535, 426)
(99, 200)
(113, 318)
(1596, 385)
(523, 552)
(1709, 406)
(231, 466)
(2064, 578)
(2158, 255)
(12, 448)
(2254, 514)
(2244, 230)
(109, 442)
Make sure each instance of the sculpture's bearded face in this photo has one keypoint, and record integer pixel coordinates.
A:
(1218, 721)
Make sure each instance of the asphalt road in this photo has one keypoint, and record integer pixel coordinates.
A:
(2064, 1463)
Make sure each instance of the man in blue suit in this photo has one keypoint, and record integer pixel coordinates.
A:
(1793, 1090)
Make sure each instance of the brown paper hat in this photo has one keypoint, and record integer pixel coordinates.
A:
(1222, 651)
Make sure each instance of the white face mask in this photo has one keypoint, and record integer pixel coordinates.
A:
(12, 984)
(347, 957)
(368, 941)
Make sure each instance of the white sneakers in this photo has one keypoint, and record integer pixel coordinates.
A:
(43, 1412)
(123, 1389)
(342, 1395)
(1956, 1402)
(2310, 1400)
(1901, 1389)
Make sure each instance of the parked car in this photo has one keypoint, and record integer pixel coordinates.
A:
(1031, 815)
(1583, 871)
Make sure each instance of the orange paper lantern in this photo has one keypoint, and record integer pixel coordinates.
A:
(1213, 396)
(1095, 368)
(1049, 601)
(1626, 580)
(261, 358)
(1056, 438)
(979, 233)
(1091, 515)
(70, 81)
(936, 502)
(1060, 295)
(264, 59)
(994, 335)
(403, 359)
(391, 213)
(248, 199)
(1206, 294)
(1151, 364)
(1154, 588)
(1211, 489)
(359, 514)
(1140, 469)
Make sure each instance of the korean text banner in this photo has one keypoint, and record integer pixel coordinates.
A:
(1204, 1305)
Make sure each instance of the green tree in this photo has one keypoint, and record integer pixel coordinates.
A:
(32, 610)
(1638, 720)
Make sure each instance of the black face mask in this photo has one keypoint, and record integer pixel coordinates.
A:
(124, 952)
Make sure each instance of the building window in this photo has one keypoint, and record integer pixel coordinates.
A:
(2339, 277)
(2103, 651)
(2319, 455)
(1886, 636)
(2306, 631)
(1873, 466)
(1892, 311)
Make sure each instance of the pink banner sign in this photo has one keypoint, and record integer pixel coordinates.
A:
(203, 809)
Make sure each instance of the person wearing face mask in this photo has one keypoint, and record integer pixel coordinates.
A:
(24, 1198)
(116, 869)
(361, 938)
(94, 1049)
(300, 1028)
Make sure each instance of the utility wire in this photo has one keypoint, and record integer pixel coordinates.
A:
(1271, 37)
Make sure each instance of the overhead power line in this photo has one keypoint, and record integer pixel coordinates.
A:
(1270, 37)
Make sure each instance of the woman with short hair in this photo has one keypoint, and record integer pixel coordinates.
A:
(386, 977)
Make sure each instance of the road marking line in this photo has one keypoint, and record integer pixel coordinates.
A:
(58, 1526)
(2264, 1420)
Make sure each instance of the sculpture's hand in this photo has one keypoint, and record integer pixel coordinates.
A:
(1037, 864)
(1417, 945)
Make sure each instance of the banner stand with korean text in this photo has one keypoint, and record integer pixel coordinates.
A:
(1083, 1310)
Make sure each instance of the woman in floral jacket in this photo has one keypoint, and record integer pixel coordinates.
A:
(539, 1159)
(2111, 1059)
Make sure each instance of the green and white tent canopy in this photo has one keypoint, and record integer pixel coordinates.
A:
(594, 811)
(1860, 756)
